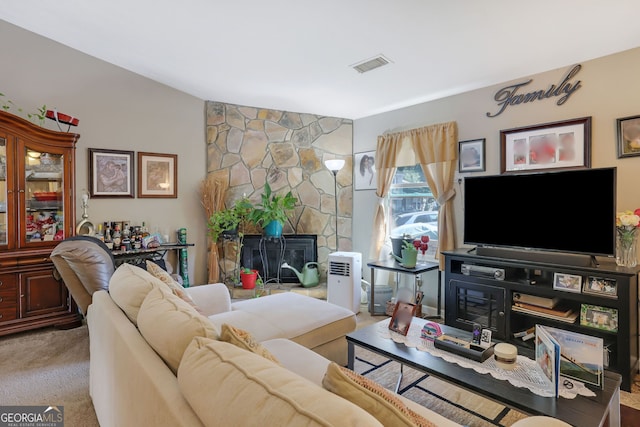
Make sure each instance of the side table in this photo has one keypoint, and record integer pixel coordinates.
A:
(394, 266)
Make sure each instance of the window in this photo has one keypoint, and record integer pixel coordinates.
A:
(413, 209)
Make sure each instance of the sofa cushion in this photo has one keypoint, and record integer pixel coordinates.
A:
(129, 286)
(243, 339)
(169, 324)
(316, 322)
(176, 288)
(383, 404)
(228, 386)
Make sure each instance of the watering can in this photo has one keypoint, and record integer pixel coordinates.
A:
(309, 277)
(409, 257)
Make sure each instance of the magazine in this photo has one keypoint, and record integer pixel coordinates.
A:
(581, 356)
(548, 356)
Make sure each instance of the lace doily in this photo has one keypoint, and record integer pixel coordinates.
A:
(526, 374)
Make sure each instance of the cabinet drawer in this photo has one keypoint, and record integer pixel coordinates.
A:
(8, 313)
(8, 299)
(7, 282)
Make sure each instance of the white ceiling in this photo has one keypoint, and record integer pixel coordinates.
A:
(294, 54)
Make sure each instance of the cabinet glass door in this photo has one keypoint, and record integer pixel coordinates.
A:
(44, 216)
(3, 192)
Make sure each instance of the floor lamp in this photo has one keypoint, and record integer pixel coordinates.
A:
(334, 165)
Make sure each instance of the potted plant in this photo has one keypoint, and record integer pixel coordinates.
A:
(248, 278)
(271, 212)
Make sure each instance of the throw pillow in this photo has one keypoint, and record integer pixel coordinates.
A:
(176, 288)
(129, 286)
(372, 397)
(169, 324)
(244, 340)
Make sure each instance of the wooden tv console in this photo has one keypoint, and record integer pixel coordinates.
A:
(481, 298)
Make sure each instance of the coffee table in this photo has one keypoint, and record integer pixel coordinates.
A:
(581, 411)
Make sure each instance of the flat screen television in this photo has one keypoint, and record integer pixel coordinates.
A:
(568, 211)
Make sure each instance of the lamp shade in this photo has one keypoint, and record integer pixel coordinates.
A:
(334, 165)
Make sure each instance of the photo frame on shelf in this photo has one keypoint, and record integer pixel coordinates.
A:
(558, 145)
(567, 282)
(595, 316)
(402, 316)
(157, 175)
(601, 286)
(365, 177)
(472, 155)
(110, 173)
(628, 133)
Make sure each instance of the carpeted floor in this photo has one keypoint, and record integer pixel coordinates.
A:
(51, 367)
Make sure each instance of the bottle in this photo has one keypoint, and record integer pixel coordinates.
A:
(99, 235)
(125, 244)
(145, 230)
(107, 237)
(117, 238)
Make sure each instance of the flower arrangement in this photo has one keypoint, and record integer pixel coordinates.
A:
(627, 225)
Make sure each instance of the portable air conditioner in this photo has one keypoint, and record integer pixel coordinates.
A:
(343, 280)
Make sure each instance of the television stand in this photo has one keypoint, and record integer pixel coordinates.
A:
(489, 301)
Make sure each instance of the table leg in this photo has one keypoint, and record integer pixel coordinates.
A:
(399, 378)
(351, 355)
(372, 300)
(439, 291)
(614, 410)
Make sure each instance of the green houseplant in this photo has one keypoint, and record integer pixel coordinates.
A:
(226, 227)
(271, 212)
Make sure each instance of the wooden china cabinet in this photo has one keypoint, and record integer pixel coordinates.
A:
(37, 187)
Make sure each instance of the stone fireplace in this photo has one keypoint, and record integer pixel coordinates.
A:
(287, 149)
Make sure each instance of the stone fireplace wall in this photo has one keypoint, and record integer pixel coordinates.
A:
(256, 145)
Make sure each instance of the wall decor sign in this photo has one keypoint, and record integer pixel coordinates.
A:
(628, 136)
(157, 175)
(510, 95)
(559, 145)
(365, 171)
(471, 155)
(110, 173)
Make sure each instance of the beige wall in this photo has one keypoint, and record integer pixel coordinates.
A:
(117, 110)
(610, 90)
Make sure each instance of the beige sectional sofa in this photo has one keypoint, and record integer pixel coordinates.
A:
(157, 359)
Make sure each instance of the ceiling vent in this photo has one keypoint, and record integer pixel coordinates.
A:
(371, 64)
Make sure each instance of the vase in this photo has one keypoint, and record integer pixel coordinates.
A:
(273, 229)
(627, 246)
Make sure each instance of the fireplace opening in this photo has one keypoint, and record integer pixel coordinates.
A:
(294, 249)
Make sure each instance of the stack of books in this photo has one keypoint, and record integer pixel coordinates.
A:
(549, 308)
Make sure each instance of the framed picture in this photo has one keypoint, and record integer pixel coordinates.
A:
(402, 317)
(110, 173)
(601, 286)
(599, 317)
(157, 175)
(365, 171)
(628, 136)
(567, 282)
(558, 145)
(471, 155)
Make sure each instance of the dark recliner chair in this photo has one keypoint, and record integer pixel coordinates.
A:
(86, 265)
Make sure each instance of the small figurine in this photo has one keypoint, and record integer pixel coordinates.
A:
(430, 331)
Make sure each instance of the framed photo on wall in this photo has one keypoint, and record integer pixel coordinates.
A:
(471, 155)
(365, 171)
(558, 145)
(110, 173)
(157, 175)
(628, 136)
